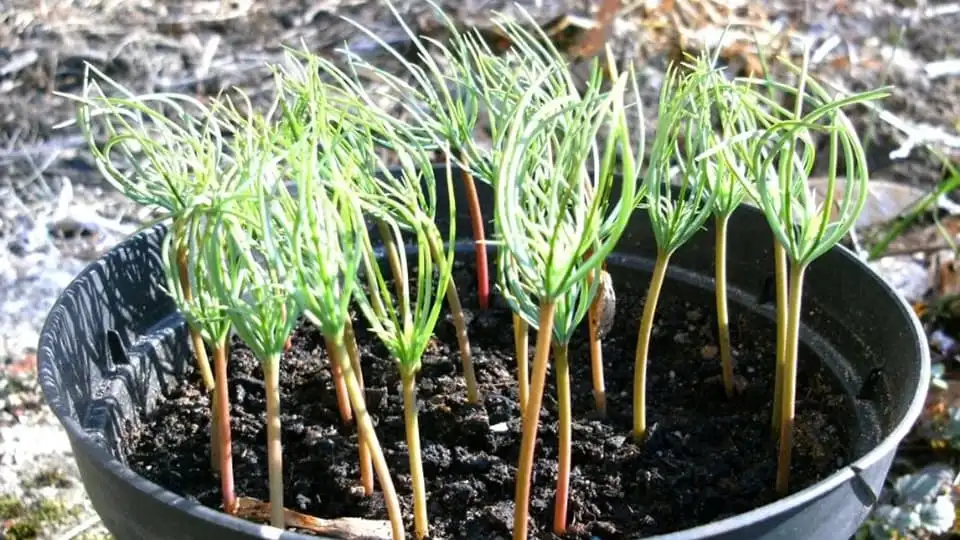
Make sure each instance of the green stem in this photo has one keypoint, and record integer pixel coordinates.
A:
(723, 316)
(643, 346)
(788, 402)
(366, 463)
(271, 373)
(393, 257)
(411, 420)
(565, 435)
(531, 421)
(365, 425)
(460, 325)
(780, 257)
(522, 346)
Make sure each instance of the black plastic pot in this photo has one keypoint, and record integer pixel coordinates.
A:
(113, 344)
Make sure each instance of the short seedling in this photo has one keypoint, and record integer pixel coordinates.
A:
(205, 312)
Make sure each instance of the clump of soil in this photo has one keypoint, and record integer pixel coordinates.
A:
(707, 457)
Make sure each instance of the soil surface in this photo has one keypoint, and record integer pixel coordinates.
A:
(706, 458)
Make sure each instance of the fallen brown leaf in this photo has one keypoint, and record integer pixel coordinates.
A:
(343, 528)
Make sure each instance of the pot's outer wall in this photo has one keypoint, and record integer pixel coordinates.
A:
(113, 344)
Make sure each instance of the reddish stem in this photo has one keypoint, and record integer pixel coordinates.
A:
(224, 445)
(479, 241)
(343, 399)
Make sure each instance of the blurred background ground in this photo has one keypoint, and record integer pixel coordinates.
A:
(57, 214)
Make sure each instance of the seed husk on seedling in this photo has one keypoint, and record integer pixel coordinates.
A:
(804, 225)
(675, 218)
(546, 225)
(163, 151)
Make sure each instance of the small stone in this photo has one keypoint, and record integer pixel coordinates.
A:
(709, 352)
(499, 427)
(616, 441)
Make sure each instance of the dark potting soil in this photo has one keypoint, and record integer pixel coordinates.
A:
(707, 456)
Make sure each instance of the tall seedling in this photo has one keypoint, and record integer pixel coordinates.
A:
(325, 245)
(327, 238)
(546, 225)
(255, 282)
(444, 110)
(373, 127)
(405, 324)
(501, 82)
(162, 151)
(725, 171)
(205, 311)
(805, 225)
(675, 217)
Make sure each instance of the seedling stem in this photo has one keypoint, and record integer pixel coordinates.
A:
(531, 420)
(522, 345)
(780, 258)
(410, 415)
(723, 317)
(365, 426)
(565, 434)
(789, 390)
(643, 345)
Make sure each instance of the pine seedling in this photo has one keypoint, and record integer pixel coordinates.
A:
(443, 109)
(736, 123)
(267, 307)
(371, 128)
(803, 223)
(162, 151)
(309, 104)
(206, 311)
(546, 224)
(325, 254)
(674, 216)
(405, 324)
(327, 241)
(502, 81)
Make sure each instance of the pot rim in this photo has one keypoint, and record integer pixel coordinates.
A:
(848, 472)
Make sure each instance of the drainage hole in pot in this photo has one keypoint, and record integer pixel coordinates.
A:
(708, 458)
